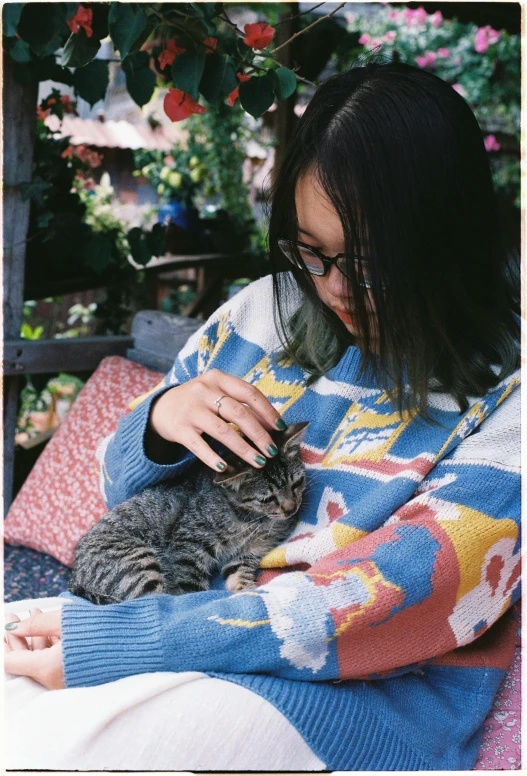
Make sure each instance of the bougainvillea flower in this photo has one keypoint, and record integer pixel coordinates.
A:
(233, 96)
(436, 18)
(428, 59)
(491, 144)
(390, 36)
(170, 53)
(83, 18)
(443, 52)
(485, 36)
(364, 39)
(258, 36)
(178, 105)
(210, 44)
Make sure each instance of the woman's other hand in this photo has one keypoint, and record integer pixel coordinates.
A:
(183, 413)
(42, 661)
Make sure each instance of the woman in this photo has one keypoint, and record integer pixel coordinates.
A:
(395, 335)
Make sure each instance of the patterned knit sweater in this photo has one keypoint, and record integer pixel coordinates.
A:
(386, 607)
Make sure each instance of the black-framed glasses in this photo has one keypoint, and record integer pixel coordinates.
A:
(317, 263)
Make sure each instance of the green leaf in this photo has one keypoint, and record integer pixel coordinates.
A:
(91, 81)
(34, 190)
(257, 94)
(79, 49)
(125, 26)
(140, 80)
(40, 22)
(49, 70)
(187, 70)
(219, 78)
(10, 18)
(18, 49)
(156, 240)
(100, 20)
(284, 83)
(97, 252)
(70, 9)
(139, 248)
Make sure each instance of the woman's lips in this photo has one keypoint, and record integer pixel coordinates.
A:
(344, 316)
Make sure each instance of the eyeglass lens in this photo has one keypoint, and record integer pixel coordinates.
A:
(315, 265)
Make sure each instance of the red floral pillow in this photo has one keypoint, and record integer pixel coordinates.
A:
(60, 499)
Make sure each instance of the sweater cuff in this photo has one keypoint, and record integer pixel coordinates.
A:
(141, 471)
(103, 643)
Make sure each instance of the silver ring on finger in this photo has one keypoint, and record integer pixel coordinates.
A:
(217, 402)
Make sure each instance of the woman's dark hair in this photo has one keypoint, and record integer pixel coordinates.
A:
(401, 157)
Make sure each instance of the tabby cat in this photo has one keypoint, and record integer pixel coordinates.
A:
(174, 536)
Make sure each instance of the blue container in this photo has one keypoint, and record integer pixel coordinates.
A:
(174, 213)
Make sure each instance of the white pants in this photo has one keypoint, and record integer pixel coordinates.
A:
(165, 721)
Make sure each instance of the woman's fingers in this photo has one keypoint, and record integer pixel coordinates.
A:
(219, 429)
(38, 642)
(232, 411)
(243, 391)
(12, 641)
(40, 624)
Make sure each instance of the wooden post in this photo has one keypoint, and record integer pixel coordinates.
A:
(19, 105)
(285, 113)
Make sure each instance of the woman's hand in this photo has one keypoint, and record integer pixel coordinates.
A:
(183, 413)
(43, 660)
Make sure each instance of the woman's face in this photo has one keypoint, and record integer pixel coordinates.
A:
(319, 225)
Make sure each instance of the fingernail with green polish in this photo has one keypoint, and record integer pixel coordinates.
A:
(272, 450)
(260, 459)
(281, 424)
(11, 625)
(221, 466)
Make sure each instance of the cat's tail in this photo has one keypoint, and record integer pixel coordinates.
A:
(121, 570)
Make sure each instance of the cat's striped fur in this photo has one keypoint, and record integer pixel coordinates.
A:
(173, 537)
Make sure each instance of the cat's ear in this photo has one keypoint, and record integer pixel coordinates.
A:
(233, 476)
(292, 437)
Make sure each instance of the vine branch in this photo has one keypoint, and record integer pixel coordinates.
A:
(309, 27)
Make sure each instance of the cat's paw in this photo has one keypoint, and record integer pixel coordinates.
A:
(241, 579)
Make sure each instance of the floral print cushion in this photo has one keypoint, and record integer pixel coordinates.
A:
(500, 747)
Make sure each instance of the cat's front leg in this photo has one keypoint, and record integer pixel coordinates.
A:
(241, 572)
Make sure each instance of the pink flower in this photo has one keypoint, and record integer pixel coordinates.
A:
(485, 36)
(494, 35)
(457, 61)
(443, 52)
(460, 89)
(427, 60)
(169, 161)
(491, 144)
(420, 16)
(390, 36)
(393, 15)
(374, 42)
(481, 41)
(437, 18)
(364, 39)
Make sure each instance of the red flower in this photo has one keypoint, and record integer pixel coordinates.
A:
(178, 105)
(170, 53)
(83, 18)
(233, 96)
(68, 153)
(258, 36)
(210, 44)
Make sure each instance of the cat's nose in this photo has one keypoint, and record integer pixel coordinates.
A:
(288, 505)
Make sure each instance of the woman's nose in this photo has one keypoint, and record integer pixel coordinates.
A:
(335, 282)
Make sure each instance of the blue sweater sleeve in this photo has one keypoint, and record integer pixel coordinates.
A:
(124, 467)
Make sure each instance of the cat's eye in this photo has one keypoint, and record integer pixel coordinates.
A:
(268, 499)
